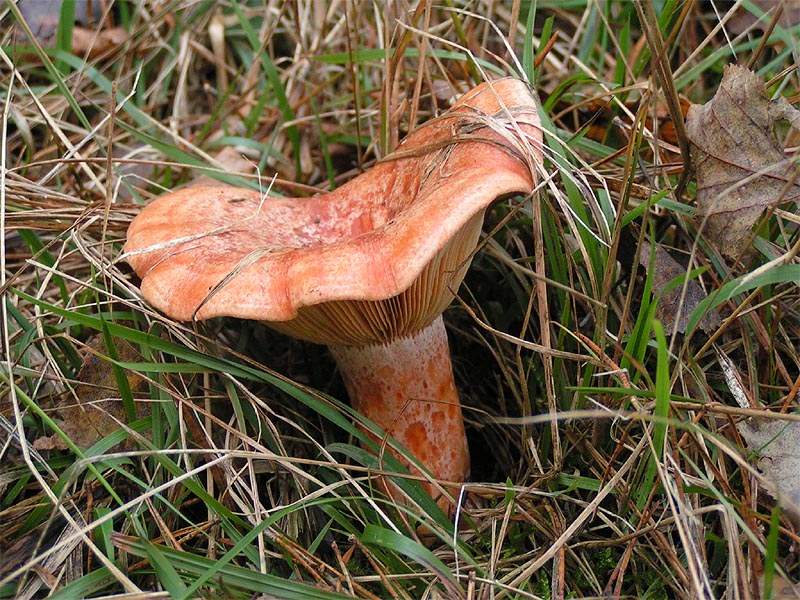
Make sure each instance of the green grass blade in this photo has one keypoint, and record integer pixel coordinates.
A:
(66, 24)
(399, 544)
(85, 586)
(167, 575)
(743, 283)
(229, 577)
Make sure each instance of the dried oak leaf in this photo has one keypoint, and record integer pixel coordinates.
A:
(669, 309)
(741, 168)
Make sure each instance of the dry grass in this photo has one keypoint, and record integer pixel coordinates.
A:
(142, 454)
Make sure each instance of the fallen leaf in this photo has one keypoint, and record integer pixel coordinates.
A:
(92, 43)
(94, 409)
(90, 36)
(744, 19)
(776, 443)
(741, 168)
(232, 160)
(669, 309)
(42, 17)
(782, 589)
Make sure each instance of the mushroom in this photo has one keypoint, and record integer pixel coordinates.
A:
(366, 269)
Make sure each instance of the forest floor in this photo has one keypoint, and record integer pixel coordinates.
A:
(626, 342)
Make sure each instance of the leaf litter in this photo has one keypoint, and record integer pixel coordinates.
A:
(677, 299)
(774, 441)
(94, 409)
(742, 170)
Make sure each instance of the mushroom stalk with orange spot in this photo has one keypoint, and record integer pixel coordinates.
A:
(366, 269)
(406, 386)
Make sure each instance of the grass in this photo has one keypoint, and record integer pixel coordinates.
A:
(220, 459)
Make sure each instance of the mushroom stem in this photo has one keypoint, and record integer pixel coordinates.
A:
(406, 387)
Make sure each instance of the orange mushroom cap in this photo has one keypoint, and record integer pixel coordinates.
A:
(376, 259)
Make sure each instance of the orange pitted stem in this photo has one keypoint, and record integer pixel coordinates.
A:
(407, 388)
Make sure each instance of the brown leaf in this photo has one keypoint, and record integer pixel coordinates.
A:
(776, 443)
(90, 36)
(94, 409)
(42, 17)
(665, 270)
(782, 589)
(744, 19)
(232, 160)
(92, 43)
(741, 168)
